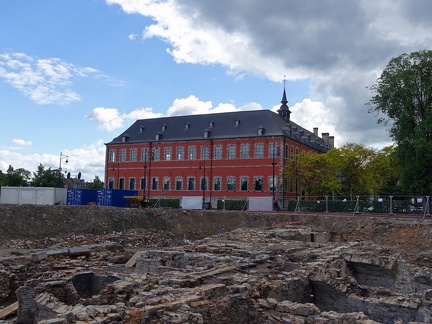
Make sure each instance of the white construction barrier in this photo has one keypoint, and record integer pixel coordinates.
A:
(260, 203)
(33, 195)
(191, 202)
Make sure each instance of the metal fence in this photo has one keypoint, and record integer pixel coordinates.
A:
(390, 205)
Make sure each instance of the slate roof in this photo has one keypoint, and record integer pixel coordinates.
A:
(239, 124)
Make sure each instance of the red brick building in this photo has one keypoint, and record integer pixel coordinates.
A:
(233, 155)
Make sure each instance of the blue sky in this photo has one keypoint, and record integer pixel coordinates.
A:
(75, 74)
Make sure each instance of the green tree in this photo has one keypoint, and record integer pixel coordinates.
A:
(95, 184)
(3, 179)
(384, 169)
(46, 177)
(351, 162)
(311, 173)
(17, 178)
(403, 93)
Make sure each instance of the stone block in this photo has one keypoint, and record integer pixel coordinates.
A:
(59, 320)
(79, 250)
(36, 257)
(144, 266)
(57, 252)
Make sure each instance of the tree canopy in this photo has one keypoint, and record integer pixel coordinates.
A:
(95, 184)
(350, 170)
(44, 177)
(403, 93)
(47, 177)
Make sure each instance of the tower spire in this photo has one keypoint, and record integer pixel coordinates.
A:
(284, 111)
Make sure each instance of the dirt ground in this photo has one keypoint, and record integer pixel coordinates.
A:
(42, 227)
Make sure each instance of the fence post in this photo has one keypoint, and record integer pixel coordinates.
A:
(391, 205)
(297, 209)
(357, 207)
(426, 210)
(326, 197)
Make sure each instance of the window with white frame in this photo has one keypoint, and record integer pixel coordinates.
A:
(273, 149)
(167, 153)
(258, 150)
(133, 155)
(122, 183)
(258, 183)
(179, 183)
(180, 153)
(155, 183)
(217, 183)
(123, 155)
(244, 183)
(191, 183)
(156, 154)
(203, 182)
(244, 151)
(230, 183)
(272, 183)
(204, 152)
(112, 155)
(132, 183)
(144, 154)
(166, 183)
(218, 150)
(231, 148)
(143, 183)
(192, 153)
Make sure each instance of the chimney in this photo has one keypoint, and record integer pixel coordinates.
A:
(315, 130)
(331, 141)
(325, 137)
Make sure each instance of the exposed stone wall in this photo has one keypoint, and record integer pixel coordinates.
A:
(36, 222)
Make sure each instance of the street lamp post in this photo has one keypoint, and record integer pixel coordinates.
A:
(145, 177)
(62, 156)
(273, 166)
(116, 179)
(202, 166)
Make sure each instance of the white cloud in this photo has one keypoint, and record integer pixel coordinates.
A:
(107, 119)
(21, 142)
(189, 106)
(45, 81)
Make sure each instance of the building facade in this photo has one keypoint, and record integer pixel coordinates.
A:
(225, 155)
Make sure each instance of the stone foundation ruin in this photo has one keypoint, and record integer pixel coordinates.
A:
(287, 271)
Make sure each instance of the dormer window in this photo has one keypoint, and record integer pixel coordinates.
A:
(260, 131)
(141, 129)
(211, 124)
(163, 127)
(187, 126)
(158, 137)
(237, 122)
(125, 138)
(206, 133)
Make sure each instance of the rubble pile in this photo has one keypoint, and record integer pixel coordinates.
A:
(286, 273)
(135, 238)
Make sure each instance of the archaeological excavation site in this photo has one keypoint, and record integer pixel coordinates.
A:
(92, 264)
